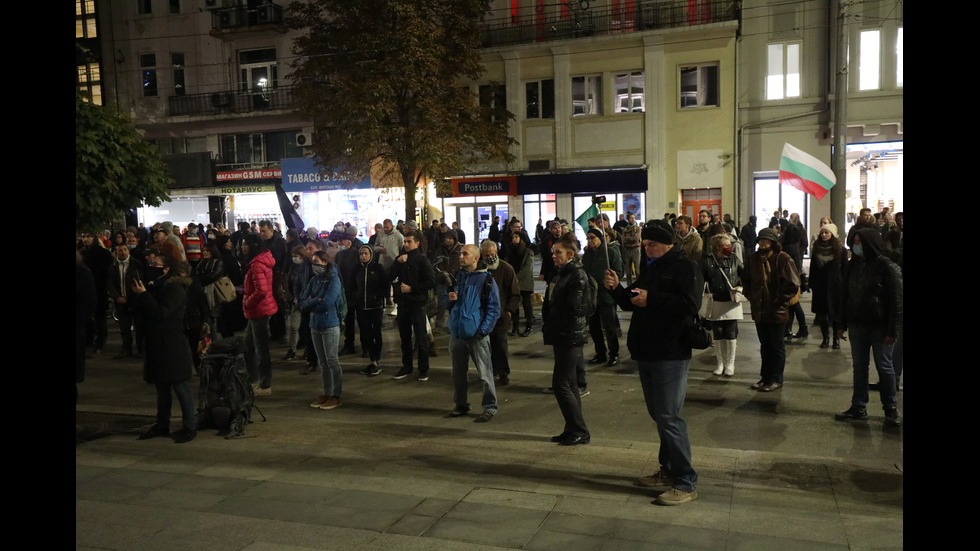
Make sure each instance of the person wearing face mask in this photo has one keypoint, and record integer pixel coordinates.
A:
(347, 258)
(509, 288)
(721, 270)
(297, 321)
(167, 363)
(370, 287)
(827, 259)
(872, 310)
(323, 297)
(124, 271)
(772, 285)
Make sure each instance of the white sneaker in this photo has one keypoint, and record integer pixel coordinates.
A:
(721, 368)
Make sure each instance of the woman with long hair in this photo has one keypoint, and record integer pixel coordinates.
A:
(258, 305)
(520, 258)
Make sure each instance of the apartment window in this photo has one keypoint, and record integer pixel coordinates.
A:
(144, 7)
(177, 61)
(783, 78)
(148, 70)
(869, 64)
(539, 99)
(85, 19)
(629, 92)
(493, 99)
(174, 6)
(90, 82)
(700, 86)
(899, 60)
(586, 96)
(172, 146)
(242, 149)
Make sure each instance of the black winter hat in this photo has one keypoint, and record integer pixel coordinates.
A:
(659, 231)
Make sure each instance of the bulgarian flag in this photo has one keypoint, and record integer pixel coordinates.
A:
(805, 172)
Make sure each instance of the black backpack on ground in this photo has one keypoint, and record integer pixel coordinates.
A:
(225, 399)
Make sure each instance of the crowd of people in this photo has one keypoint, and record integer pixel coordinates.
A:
(323, 293)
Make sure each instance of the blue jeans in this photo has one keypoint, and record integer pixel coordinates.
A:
(412, 320)
(773, 351)
(257, 356)
(664, 388)
(866, 339)
(478, 350)
(184, 398)
(327, 343)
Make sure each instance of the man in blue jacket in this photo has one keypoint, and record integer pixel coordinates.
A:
(474, 306)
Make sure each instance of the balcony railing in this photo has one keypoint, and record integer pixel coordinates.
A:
(220, 103)
(242, 17)
(644, 15)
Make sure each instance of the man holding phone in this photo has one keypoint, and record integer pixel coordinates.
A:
(664, 300)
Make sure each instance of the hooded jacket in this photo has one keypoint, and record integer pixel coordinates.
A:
(872, 292)
(369, 282)
(258, 301)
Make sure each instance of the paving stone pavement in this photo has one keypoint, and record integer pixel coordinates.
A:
(389, 469)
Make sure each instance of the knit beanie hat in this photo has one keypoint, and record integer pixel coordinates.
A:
(659, 231)
(596, 232)
(832, 228)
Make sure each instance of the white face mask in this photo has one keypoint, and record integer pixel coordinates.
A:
(297, 260)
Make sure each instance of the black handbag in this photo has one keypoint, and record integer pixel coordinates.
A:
(699, 336)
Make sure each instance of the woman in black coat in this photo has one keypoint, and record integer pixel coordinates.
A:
(566, 329)
(232, 315)
(167, 359)
(827, 259)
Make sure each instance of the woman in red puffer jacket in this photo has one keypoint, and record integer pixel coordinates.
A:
(258, 304)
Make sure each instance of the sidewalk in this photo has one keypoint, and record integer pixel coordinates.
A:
(389, 469)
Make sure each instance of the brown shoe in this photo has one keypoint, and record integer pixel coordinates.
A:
(758, 385)
(331, 403)
(659, 478)
(770, 387)
(319, 401)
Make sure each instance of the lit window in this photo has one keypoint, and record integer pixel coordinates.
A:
(870, 63)
(899, 60)
(700, 86)
(783, 79)
(629, 92)
(586, 96)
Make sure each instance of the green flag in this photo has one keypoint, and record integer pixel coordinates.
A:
(583, 219)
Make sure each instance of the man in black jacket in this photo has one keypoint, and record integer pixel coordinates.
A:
(872, 308)
(412, 278)
(664, 300)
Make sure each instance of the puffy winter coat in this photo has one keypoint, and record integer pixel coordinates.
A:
(566, 324)
(258, 300)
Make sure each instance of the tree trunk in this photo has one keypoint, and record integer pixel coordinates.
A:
(411, 185)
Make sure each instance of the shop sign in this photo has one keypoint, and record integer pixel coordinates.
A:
(506, 185)
(304, 175)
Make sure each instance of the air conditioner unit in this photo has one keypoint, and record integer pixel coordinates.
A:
(304, 139)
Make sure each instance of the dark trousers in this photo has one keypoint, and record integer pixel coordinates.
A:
(349, 327)
(602, 329)
(411, 320)
(498, 353)
(129, 325)
(565, 387)
(773, 350)
(528, 311)
(370, 324)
